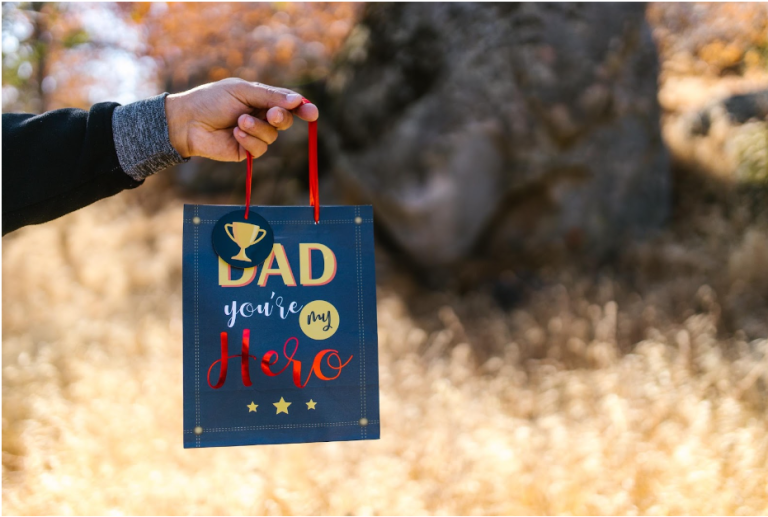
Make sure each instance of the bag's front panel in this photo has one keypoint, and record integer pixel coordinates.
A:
(309, 371)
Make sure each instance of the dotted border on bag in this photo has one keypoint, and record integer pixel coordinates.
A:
(197, 330)
(282, 426)
(361, 322)
(361, 330)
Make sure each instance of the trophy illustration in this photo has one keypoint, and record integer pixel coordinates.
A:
(244, 235)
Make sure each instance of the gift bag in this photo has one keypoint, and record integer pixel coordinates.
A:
(279, 309)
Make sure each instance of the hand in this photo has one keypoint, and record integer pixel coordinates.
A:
(224, 119)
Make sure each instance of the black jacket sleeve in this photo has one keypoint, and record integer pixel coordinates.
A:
(58, 162)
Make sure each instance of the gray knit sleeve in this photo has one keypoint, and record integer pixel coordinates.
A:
(140, 133)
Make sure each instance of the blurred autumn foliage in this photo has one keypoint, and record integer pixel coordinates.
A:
(61, 54)
(711, 38)
(275, 43)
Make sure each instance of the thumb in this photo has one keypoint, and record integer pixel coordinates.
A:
(259, 96)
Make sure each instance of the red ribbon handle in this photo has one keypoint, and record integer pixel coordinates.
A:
(314, 196)
(248, 177)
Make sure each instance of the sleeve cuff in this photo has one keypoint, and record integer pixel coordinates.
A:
(140, 132)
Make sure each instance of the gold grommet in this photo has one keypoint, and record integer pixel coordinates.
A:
(358, 220)
(196, 220)
(198, 430)
(363, 422)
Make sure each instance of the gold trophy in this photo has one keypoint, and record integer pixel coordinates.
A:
(244, 235)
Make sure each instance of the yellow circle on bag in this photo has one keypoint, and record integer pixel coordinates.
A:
(319, 320)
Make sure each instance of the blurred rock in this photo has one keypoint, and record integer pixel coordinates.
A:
(501, 127)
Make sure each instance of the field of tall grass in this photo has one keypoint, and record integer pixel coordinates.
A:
(638, 387)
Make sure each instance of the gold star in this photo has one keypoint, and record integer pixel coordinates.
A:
(252, 407)
(282, 406)
(311, 404)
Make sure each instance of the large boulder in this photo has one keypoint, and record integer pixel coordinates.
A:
(501, 127)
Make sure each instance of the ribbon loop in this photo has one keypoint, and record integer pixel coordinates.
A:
(314, 196)
(248, 177)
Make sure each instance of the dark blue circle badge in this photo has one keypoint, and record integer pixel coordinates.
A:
(242, 242)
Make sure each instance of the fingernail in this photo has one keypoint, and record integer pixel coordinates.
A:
(248, 121)
(293, 97)
(278, 116)
(239, 132)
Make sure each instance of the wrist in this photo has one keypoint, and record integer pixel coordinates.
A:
(141, 136)
(178, 130)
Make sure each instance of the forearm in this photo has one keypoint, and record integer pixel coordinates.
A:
(63, 160)
(66, 159)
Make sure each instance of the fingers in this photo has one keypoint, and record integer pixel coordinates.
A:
(257, 128)
(308, 112)
(259, 95)
(262, 96)
(249, 143)
(280, 118)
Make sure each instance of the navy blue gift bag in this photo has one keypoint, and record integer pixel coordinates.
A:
(280, 338)
(286, 351)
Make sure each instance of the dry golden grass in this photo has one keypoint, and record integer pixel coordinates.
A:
(638, 390)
